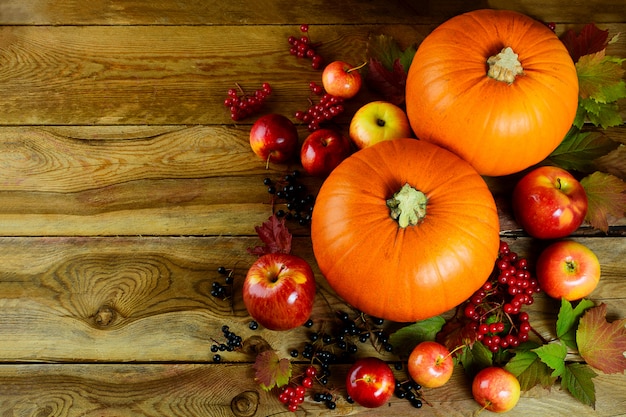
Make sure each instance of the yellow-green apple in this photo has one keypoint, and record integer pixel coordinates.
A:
(370, 382)
(279, 290)
(549, 203)
(568, 269)
(341, 79)
(430, 364)
(496, 389)
(323, 150)
(274, 138)
(377, 121)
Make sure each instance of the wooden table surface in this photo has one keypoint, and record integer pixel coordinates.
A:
(124, 185)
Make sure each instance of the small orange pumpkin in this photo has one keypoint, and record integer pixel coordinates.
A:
(405, 230)
(496, 87)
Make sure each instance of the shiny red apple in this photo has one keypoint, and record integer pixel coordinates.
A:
(496, 389)
(279, 290)
(568, 269)
(323, 150)
(370, 382)
(549, 203)
(378, 121)
(430, 364)
(341, 79)
(274, 138)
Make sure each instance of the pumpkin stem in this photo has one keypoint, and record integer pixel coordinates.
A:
(407, 206)
(504, 66)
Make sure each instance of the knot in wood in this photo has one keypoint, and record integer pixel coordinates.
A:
(245, 404)
(105, 316)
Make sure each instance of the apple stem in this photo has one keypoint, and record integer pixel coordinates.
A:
(267, 162)
(453, 352)
(357, 68)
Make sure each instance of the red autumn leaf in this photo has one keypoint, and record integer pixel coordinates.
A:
(589, 41)
(270, 370)
(275, 236)
(600, 343)
(457, 332)
(606, 195)
(390, 84)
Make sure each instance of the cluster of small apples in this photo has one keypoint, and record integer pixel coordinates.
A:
(274, 137)
(550, 203)
(494, 388)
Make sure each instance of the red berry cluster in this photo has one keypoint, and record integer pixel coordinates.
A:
(293, 395)
(242, 105)
(494, 310)
(327, 108)
(303, 48)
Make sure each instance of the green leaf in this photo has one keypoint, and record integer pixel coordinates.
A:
(578, 150)
(577, 378)
(406, 338)
(568, 318)
(553, 355)
(604, 115)
(530, 370)
(606, 196)
(600, 77)
(385, 49)
(475, 358)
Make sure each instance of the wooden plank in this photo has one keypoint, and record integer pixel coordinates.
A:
(154, 390)
(87, 299)
(198, 12)
(137, 180)
(95, 75)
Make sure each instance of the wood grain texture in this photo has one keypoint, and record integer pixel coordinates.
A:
(124, 185)
(87, 299)
(154, 390)
(198, 12)
(128, 75)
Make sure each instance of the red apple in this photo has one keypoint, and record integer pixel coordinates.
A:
(496, 389)
(568, 269)
(341, 79)
(377, 121)
(430, 364)
(274, 138)
(370, 382)
(279, 290)
(323, 150)
(549, 203)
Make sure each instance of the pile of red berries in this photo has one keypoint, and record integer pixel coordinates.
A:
(325, 109)
(302, 47)
(494, 310)
(242, 105)
(293, 395)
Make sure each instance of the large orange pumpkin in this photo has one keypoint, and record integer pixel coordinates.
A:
(496, 87)
(405, 230)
